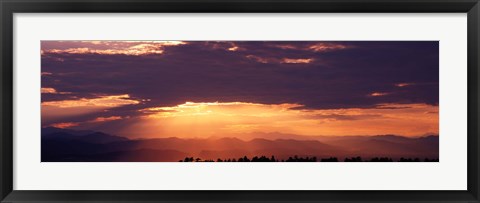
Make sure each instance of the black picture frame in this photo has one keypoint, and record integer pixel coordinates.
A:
(10, 7)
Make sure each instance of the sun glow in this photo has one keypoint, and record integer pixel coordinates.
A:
(217, 109)
(204, 119)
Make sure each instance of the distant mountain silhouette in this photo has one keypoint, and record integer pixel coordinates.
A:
(370, 146)
(89, 146)
(51, 130)
(141, 155)
(93, 137)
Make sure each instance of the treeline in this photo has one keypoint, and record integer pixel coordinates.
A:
(307, 159)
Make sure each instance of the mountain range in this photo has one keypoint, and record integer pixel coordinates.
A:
(66, 145)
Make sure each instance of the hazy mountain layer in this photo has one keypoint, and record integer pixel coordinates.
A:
(89, 146)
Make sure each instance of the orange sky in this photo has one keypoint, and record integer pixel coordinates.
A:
(169, 88)
(232, 118)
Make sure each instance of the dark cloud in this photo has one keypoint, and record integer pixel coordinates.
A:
(209, 72)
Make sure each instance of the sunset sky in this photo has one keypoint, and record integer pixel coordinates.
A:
(146, 89)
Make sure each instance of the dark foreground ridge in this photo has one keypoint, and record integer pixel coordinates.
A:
(307, 159)
(66, 145)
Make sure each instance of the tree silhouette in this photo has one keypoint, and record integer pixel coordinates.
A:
(353, 159)
(331, 159)
(409, 160)
(188, 159)
(301, 159)
(245, 159)
(381, 159)
(297, 158)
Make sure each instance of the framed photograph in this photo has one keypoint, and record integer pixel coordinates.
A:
(228, 101)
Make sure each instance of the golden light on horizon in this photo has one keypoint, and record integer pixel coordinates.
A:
(216, 108)
(231, 118)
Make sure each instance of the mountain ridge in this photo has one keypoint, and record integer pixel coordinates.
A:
(69, 145)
